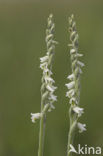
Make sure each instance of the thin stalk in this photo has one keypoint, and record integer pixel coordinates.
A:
(42, 132)
(47, 88)
(73, 92)
(71, 133)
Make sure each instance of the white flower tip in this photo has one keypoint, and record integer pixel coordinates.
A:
(43, 66)
(70, 77)
(49, 79)
(53, 97)
(82, 127)
(35, 116)
(79, 55)
(43, 59)
(51, 15)
(70, 93)
(78, 110)
(72, 51)
(55, 42)
(81, 64)
(51, 107)
(73, 99)
(70, 85)
(51, 88)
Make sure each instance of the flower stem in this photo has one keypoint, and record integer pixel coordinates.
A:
(47, 87)
(42, 128)
(42, 132)
(74, 86)
(71, 134)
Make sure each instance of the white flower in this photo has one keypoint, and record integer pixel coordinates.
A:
(78, 110)
(80, 63)
(70, 77)
(43, 59)
(51, 107)
(70, 93)
(35, 116)
(48, 78)
(53, 97)
(73, 99)
(79, 55)
(82, 127)
(70, 85)
(55, 42)
(51, 88)
(43, 66)
(46, 70)
(48, 37)
(72, 51)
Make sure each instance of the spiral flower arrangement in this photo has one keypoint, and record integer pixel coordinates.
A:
(73, 86)
(47, 87)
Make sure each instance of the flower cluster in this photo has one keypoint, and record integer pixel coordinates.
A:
(48, 88)
(73, 86)
(46, 65)
(35, 116)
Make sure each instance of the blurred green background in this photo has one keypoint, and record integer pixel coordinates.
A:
(22, 43)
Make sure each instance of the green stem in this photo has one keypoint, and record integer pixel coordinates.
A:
(42, 132)
(70, 141)
(72, 130)
(45, 102)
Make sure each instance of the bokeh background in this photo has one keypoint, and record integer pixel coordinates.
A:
(22, 43)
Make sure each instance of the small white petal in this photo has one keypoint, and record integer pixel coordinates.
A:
(78, 110)
(43, 65)
(43, 59)
(46, 70)
(80, 63)
(79, 55)
(73, 99)
(70, 93)
(53, 97)
(35, 116)
(51, 107)
(55, 42)
(72, 51)
(82, 127)
(49, 79)
(54, 87)
(70, 45)
(70, 85)
(70, 77)
(48, 53)
(48, 37)
(51, 88)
